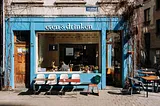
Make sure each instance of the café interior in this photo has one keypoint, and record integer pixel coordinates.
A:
(79, 50)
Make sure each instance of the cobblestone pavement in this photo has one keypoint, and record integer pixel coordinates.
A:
(14, 98)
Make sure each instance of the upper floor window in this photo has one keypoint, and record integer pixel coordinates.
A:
(158, 26)
(157, 4)
(74, 2)
(147, 16)
(144, 0)
(27, 1)
(69, 0)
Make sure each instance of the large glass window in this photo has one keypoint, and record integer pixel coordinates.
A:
(78, 50)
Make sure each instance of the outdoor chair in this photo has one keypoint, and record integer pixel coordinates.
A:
(39, 81)
(51, 81)
(63, 77)
(136, 84)
(75, 76)
(95, 81)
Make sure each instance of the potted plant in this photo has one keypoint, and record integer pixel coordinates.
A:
(96, 69)
(86, 68)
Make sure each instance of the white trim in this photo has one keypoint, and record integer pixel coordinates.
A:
(59, 72)
(70, 2)
(27, 1)
(36, 53)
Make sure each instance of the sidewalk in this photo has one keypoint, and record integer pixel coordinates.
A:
(13, 98)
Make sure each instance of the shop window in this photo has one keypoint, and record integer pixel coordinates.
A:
(147, 16)
(157, 4)
(158, 27)
(72, 48)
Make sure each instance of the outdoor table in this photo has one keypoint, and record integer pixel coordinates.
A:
(150, 78)
(147, 73)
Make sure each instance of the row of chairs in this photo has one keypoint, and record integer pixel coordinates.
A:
(52, 80)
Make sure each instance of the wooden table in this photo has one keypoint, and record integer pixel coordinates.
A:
(148, 72)
(150, 78)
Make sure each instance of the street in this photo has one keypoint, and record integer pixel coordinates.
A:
(19, 98)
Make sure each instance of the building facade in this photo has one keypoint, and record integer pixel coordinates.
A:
(78, 32)
(151, 31)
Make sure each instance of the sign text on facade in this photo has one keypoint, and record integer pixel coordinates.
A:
(69, 27)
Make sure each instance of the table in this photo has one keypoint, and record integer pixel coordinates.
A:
(147, 73)
(150, 78)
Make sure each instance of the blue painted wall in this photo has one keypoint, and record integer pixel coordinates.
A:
(36, 24)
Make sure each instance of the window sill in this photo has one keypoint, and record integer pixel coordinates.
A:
(107, 2)
(146, 23)
(70, 2)
(27, 2)
(59, 72)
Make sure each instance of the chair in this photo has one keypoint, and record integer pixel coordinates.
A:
(39, 81)
(96, 79)
(136, 84)
(63, 77)
(52, 80)
(75, 76)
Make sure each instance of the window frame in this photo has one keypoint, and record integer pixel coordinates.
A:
(70, 2)
(157, 4)
(27, 1)
(147, 17)
(158, 27)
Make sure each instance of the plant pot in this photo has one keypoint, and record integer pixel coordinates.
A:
(39, 69)
(95, 71)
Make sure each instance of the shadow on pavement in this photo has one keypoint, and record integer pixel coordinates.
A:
(122, 93)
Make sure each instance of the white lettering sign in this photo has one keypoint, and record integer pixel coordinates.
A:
(69, 27)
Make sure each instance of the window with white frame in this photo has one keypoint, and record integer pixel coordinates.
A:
(78, 50)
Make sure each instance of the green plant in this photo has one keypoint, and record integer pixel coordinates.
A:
(96, 68)
(40, 61)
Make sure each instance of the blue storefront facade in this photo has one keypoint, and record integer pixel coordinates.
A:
(62, 24)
